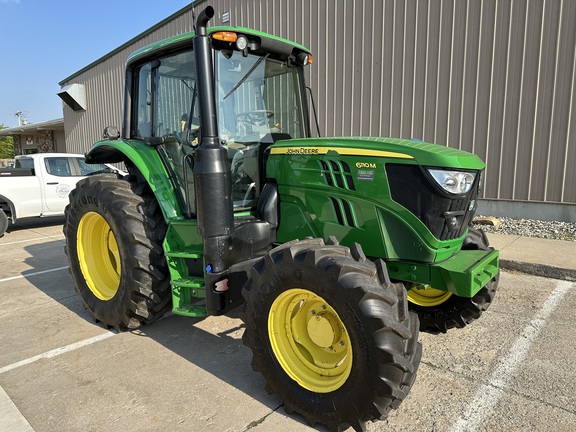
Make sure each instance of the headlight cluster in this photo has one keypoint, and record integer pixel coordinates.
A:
(455, 182)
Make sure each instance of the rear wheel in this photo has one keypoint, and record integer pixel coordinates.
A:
(442, 310)
(114, 231)
(330, 333)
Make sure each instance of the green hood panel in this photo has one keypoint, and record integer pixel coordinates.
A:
(415, 152)
(340, 187)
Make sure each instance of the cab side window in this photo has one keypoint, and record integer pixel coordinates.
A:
(162, 108)
(174, 90)
(142, 115)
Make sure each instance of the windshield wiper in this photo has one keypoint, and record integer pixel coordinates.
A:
(245, 77)
(186, 84)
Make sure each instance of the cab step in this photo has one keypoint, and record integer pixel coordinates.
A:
(188, 294)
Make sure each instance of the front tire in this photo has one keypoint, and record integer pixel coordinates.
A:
(114, 231)
(442, 310)
(330, 333)
(3, 222)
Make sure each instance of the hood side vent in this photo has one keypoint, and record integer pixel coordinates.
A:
(337, 174)
(344, 213)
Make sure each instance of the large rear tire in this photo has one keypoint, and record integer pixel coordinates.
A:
(329, 332)
(114, 231)
(442, 310)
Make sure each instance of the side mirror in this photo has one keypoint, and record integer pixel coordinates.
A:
(111, 133)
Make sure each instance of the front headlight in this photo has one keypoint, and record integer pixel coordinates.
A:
(455, 182)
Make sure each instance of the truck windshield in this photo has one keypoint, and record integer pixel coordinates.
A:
(257, 96)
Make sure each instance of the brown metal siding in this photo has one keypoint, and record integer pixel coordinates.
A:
(492, 77)
(104, 90)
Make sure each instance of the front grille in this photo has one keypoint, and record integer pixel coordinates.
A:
(447, 217)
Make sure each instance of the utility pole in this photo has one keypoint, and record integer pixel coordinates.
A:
(21, 118)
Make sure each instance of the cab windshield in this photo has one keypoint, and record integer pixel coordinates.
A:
(256, 97)
(259, 101)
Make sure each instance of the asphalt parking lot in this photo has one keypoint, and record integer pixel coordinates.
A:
(512, 370)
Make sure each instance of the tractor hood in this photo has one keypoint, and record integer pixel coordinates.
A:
(410, 151)
(355, 187)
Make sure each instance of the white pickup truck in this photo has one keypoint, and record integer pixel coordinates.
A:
(39, 185)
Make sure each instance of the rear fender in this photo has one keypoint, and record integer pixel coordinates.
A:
(148, 162)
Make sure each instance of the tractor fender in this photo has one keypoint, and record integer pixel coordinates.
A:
(148, 162)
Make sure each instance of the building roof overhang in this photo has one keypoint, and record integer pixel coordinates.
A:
(55, 125)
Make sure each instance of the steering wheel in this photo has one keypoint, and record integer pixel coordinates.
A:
(255, 117)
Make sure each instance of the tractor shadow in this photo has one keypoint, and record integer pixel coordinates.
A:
(49, 274)
(213, 344)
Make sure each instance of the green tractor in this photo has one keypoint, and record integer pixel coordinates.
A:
(339, 250)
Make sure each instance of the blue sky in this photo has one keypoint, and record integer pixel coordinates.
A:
(44, 41)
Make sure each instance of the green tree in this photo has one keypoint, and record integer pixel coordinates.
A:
(6, 146)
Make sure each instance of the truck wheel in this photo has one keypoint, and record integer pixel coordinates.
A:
(114, 231)
(329, 332)
(3, 222)
(441, 310)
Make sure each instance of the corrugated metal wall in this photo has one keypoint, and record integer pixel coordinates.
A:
(104, 81)
(495, 77)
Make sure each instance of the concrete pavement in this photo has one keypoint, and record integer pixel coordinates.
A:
(540, 257)
(548, 258)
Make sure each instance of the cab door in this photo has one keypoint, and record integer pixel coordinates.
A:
(58, 182)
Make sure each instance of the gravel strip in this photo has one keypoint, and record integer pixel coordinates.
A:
(530, 228)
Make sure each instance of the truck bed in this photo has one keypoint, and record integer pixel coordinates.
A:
(16, 172)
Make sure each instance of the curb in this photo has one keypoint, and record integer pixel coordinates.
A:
(542, 270)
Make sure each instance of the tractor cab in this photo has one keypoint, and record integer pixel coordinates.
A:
(259, 96)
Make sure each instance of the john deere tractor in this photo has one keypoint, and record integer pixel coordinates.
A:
(338, 250)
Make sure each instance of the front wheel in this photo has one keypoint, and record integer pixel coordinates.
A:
(441, 310)
(329, 332)
(114, 231)
(3, 222)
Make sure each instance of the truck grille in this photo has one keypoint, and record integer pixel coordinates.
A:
(446, 216)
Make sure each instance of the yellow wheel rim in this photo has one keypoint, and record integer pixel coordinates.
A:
(310, 341)
(428, 296)
(98, 255)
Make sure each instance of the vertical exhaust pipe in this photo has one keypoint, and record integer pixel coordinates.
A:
(205, 77)
(212, 179)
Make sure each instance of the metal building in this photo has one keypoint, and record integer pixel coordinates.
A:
(494, 77)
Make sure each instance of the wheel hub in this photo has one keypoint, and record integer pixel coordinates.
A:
(323, 330)
(309, 340)
(427, 296)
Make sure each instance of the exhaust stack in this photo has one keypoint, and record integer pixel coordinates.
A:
(212, 179)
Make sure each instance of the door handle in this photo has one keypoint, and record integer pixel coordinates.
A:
(52, 183)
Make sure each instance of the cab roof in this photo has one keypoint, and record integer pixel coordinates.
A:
(266, 43)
